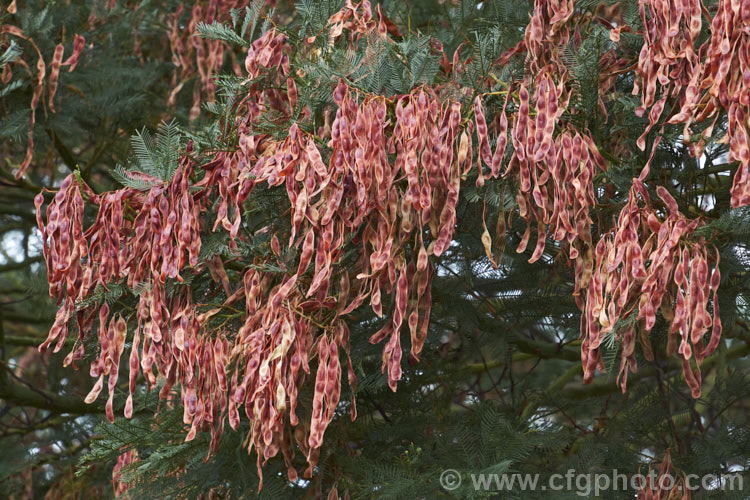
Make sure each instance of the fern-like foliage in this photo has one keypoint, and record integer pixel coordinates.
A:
(157, 157)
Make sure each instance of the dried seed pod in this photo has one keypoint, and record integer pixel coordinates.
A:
(636, 291)
(54, 74)
(704, 80)
(389, 190)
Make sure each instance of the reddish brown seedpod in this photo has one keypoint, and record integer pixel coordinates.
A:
(662, 485)
(484, 144)
(553, 162)
(392, 183)
(487, 243)
(704, 80)
(270, 355)
(54, 74)
(78, 45)
(639, 269)
(38, 86)
(38, 79)
(124, 460)
(194, 57)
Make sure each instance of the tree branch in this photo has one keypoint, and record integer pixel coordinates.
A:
(24, 341)
(603, 388)
(15, 266)
(533, 349)
(20, 318)
(14, 393)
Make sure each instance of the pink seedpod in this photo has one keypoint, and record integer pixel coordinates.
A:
(678, 269)
(369, 200)
(704, 80)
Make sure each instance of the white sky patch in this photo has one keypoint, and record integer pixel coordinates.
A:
(12, 245)
(707, 202)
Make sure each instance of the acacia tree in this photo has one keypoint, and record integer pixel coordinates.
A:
(360, 174)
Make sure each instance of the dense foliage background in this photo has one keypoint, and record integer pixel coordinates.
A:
(498, 386)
